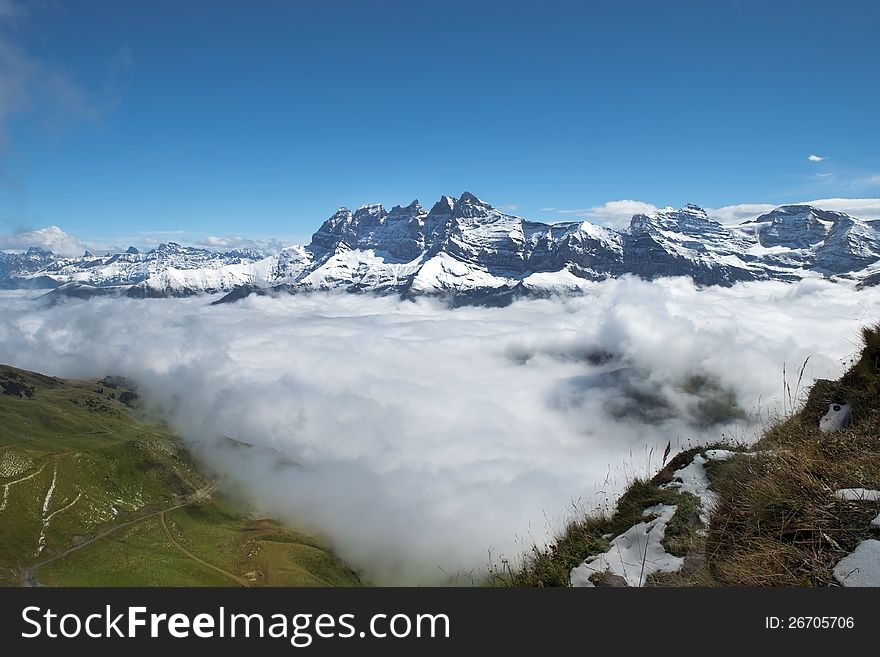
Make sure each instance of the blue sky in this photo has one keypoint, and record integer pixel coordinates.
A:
(120, 120)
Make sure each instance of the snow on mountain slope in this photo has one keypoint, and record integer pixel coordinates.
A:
(465, 248)
(670, 241)
(804, 237)
(444, 274)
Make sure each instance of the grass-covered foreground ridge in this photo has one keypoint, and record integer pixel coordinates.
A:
(775, 513)
(92, 494)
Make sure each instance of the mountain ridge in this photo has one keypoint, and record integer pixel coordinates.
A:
(465, 249)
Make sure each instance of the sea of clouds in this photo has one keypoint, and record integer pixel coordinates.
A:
(423, 442)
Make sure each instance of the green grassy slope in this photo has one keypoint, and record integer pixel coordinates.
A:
(250, 552)
(76, 462)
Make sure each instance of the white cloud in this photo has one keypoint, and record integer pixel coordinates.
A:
(730, 215)
(51, 238)
(864, 208)
(618, 214)
(613, 214)
(427, 436)
(816, 158)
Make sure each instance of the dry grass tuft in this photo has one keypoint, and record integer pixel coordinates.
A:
(778, 521)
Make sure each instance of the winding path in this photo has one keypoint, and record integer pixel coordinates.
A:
(30, 573)
(239, 580)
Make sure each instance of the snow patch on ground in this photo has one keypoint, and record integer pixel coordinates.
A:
(558, 282)
(858, 495)
(862, 567)
(41, 545)
(692, 479)
(64, 508)
(13, 464)
(635, 554)
(17, 481)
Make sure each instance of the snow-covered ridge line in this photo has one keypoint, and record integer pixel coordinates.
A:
(465, 249)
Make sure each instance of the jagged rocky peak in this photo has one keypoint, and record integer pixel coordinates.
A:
(795, 226)
(790, 214)
(327, 236)
(693, 209)
(687, 213)
(341, 216)
(444, 206)
(244, 254)
(641, 223)
(169, 247)
(688, 218)
(350, 229)
(87, 254)
(369, 215)
(339, 219)
(37, 252)
(469, 206)
(466, 247)
(132, 251)
(414, 209)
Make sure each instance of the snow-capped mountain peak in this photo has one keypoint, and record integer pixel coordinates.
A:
(468, 250)
(469, 206)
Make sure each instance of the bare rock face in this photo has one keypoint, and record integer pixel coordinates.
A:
(839, 416)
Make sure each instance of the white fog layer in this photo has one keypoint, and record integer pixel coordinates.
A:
(417, 438)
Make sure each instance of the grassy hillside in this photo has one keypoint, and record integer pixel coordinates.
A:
(777, 520)
(93, 494)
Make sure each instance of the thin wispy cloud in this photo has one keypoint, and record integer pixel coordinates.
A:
(848, 181)
(230, 242)
(33, 85)
(816, 158)
(869, 181)
(30, 83)
(582, 211)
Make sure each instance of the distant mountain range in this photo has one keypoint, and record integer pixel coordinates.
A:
(469, 252)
